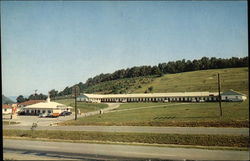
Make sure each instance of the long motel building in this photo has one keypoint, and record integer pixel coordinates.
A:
(150, 97)
(229, 96)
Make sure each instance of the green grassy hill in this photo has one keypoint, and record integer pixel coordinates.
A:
(235, 114)
(127, 85)
(203, 80)
(83, 106)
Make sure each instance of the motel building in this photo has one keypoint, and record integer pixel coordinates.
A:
(150, 97)
(233, 96)
(159, 97)
(46, 107)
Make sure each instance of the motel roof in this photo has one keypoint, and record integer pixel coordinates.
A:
(232, 92)
(149, 95)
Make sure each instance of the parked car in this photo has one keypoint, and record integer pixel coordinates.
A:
(55, 114)
(65, 113)
(43, 115)
(21, 113)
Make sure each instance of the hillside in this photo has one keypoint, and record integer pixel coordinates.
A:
(126, 85)
(125, 80)
(6, 100)
(203, 80)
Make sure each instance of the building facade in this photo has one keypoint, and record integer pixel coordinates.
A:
(6, 109)
(47, 107)
(10, 108)
(163, 97)
(151, 97)
(233, 96)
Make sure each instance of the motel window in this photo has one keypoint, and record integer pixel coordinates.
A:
(5, 110)
(38, 111)
(43, 111)
(49, 111)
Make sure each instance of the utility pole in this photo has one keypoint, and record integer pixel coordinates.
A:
(75, 106)
(75, 92)
(219, 95)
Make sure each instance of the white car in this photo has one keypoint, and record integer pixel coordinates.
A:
(43, 115)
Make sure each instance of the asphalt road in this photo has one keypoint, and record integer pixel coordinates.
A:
(143, 129)
(62, 150)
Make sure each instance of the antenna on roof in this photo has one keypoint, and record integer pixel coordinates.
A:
(35, 94)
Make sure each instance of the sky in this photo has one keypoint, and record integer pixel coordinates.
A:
(54, 44)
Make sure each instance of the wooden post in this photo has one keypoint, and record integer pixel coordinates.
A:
(219, 95)
(76, 93)
(75, 106)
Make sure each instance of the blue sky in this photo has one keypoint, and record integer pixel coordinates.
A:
(53, 44)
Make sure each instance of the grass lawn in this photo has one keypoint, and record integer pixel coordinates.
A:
(203, 140)
(84, 107)
(203, 80)
(235, 114)
(11, 122)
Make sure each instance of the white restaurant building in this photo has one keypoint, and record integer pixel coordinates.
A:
(45, 107)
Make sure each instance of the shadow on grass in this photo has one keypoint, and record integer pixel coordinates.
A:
(198, 117)
(188, 117)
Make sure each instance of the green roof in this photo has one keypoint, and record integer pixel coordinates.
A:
(231, 92)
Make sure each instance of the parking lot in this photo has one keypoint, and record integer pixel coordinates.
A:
(29, 120)
(25, 120)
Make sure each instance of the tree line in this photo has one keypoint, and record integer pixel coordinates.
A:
(170, 67)
(40, 96)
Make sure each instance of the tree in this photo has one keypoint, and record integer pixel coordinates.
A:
(33, 97)
(53, 93)
(150, 89)
(205, 63)
(42, 96)
(156, 71)
(20, 99)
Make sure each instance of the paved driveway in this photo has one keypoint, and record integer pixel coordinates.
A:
(29, 120)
